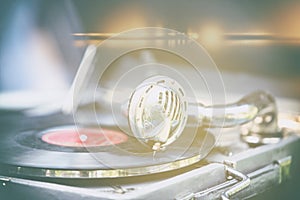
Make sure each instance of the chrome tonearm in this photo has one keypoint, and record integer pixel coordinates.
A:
(157, 112)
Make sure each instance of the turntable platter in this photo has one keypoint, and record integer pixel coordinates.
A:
(24, 152)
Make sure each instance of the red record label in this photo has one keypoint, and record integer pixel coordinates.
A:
(84, 137)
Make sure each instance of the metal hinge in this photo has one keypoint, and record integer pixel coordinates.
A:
(239, 182)
(284, 164)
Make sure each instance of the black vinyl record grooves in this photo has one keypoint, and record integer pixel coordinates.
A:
(22, 151)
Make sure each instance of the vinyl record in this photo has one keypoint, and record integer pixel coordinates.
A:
(25, 151)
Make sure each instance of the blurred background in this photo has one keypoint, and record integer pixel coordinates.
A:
(255, 44)
(42, 42)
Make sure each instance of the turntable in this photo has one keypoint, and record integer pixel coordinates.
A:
(148, 129)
